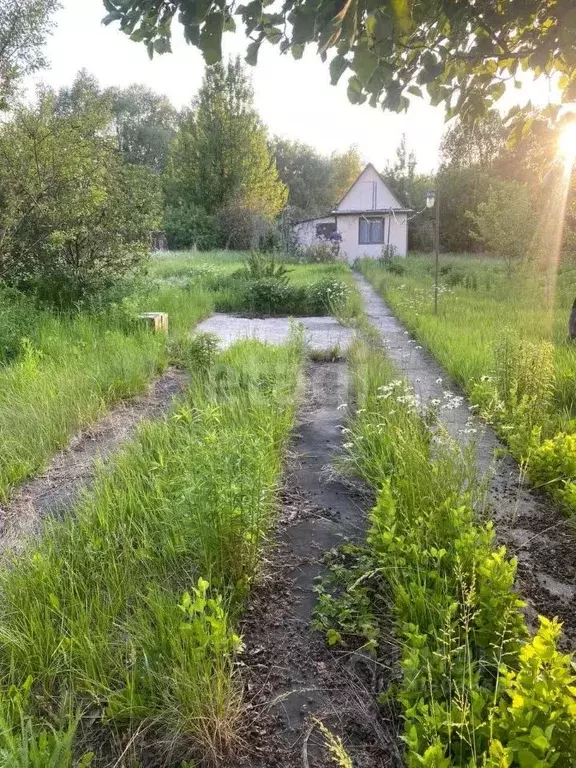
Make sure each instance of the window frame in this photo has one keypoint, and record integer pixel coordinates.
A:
(369, 220)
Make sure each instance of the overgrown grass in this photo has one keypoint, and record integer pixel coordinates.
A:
(121, 618)
(498, 340)
(73, 369)
(476, 690)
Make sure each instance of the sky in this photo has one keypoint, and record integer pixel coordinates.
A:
(294, 98)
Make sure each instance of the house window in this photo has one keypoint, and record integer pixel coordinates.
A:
(371, 231)
(325, 230)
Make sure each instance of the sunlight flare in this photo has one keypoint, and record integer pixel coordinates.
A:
(567, 143)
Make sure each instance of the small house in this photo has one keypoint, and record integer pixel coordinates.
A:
(368, 221)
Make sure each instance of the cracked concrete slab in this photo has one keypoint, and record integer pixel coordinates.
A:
(322, 334)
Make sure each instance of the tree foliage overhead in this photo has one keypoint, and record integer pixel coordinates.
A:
(460, 53)
(24, 25)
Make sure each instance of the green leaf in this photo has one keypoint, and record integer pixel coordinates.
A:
(252, 53)
(211, 38)
(364, 63)
(337, 67)
(297, 51)
(162, 45)
(355, 91)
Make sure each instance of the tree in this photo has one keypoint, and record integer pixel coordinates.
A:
(306, 174)
(504, 222)
(473, 145)
(24, 26)
(469, 156)
(315, 182)
(400, 174)
(460, 53)
(142, 121)
(74, 218)
(145, 123)
(345, 167)
(220, 157)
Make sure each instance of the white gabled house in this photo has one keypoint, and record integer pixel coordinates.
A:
(368, 219)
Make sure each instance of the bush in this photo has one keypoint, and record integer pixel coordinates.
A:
(197, 353)
(553, 464)
(240, 228)
(326, 296)
(258, 266)
(189, 226)
(18, 319)
(267, 296)
(323, 252)
(395, 266)
(74, 219)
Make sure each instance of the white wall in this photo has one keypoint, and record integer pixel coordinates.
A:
(368, 193)
(306, 230)
(348, 226)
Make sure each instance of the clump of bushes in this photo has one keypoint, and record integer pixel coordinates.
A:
(189, 226)
(262, 287)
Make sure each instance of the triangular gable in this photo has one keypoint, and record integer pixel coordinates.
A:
(369, 192)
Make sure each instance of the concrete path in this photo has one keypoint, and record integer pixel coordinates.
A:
(287, 666)
(527, 522)
(322, 334)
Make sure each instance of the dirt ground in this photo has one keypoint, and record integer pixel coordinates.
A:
(287, 669)
(72, 469)
(528, 522)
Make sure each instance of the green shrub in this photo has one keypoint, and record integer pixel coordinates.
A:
(267, 296)
(475, 690)
(19, 319)
(323, 252)
(197, 353)
(394, 265)
(327, 296)
(189, 226)
(259, 266)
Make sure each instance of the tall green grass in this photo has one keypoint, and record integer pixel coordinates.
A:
(476, 690)
(505, 344)
(121, 617)
(74, 369)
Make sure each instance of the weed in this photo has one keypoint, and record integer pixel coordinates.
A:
(465, 651)
(127, 608)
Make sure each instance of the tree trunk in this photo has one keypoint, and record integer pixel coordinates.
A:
(572, 323)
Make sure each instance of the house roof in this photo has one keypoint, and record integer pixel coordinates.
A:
(362, 172)
(367, 212)
(372, 211)
(328, 215)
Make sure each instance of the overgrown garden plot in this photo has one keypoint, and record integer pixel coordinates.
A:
(497, 338)
(475, 688)
(117, 627)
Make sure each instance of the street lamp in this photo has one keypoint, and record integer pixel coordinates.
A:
(433, 199)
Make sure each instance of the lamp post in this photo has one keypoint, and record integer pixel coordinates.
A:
(433, 199)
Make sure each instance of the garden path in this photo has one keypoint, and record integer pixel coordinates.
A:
(71, 470)
(288, 671)
(528, 522)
